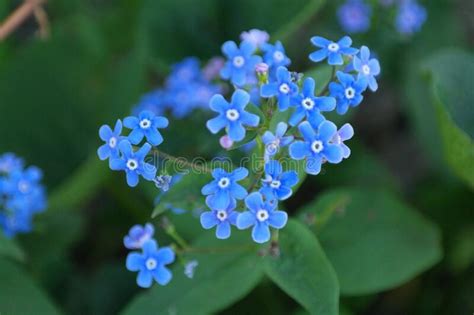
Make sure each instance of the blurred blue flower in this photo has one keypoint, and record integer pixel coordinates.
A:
(367, 68)
(283, 88)
(261, 215)
(10, 162)
(354, 16)
(316, 147)
(138, 235)
(224, 188)
(273, 142)
(190, 268)
(240, 61)
(145, 125)
(410, 18)
(151, 264)
(277, 184)
(188, 70)
(222, 218)
(274, 55)
(154, 101)
(344, 133)
(232, 116)
(310, 106)
(163, 182)
(348, 92)
(109, 150)
(133, 163)
(334, 51)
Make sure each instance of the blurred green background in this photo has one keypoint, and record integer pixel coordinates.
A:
(413, 138)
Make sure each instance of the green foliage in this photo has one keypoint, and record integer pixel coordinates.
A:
(303, 271)
(451, 74)
(9, 248)
(224, 275)
(374, 241)
(19, 295)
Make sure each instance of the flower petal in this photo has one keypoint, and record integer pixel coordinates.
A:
(245, 220)
(223, 230)
(254, 201)
(208, 220)
(144, 278)
(135, 261)
(162, 275)
(299, 150)
(278, 219)
(261, 233)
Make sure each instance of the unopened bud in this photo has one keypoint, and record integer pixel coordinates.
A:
(226, 142)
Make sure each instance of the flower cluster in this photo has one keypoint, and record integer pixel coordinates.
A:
(21, 195)
(283, 111)
(150, 262)
(119, 150)
(355, 15)
(311, 138)
(187, 88)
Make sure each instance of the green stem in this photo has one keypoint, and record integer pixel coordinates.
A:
(326, 87)
(171, 231)
(183, 161)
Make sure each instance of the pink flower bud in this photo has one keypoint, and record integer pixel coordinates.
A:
(226, 142)
(261, 68)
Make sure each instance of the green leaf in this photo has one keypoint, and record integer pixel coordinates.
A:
(451, 78)
(303, 271)
(9, 248)
(222, 277)
(19, 295)
(374, 241)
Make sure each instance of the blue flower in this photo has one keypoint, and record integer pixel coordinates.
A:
(232, 116)
(284, 88)
(348, 92)
(138, 235)
(240, 61)
(410, 18)
(354, 16)
(274, 55)
(133, 163)
(9, 162)
(344, 133)
(163, 182)
(112, 139)
(19, 221)
(367, 68)
(310, 106)
(277, 184)
(224, 188)
(222, 218)
(190, 268)
(332, 50)
(316, 147)
(273, 142)
(151, 264)
(145, 125)
(188, 70)
(261, 215)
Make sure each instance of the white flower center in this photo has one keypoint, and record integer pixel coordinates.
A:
(223, 182)
(221, 215)
(23, 186)
(284, 88)
(150, 263)
(232, 114)
(132, 164)
(278, 56)
(238, 61)
(308, 103)
(333, 47)
(317, 146)
(273, 147)
(366, 69)
(275, 184)
(350, 93)
(145, 123)
(262, 215)
(112, 142)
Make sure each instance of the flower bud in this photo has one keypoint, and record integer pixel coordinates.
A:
(226, 142)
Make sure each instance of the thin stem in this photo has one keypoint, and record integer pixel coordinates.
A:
(198, 167)
(216, 250)
(18, 17)
(171, 231)
(326, 87)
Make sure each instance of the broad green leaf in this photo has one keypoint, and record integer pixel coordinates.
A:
(374, 241)
(227, 271)
(451, 77)
(19, 295)
(303, 271)
(9, 248)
